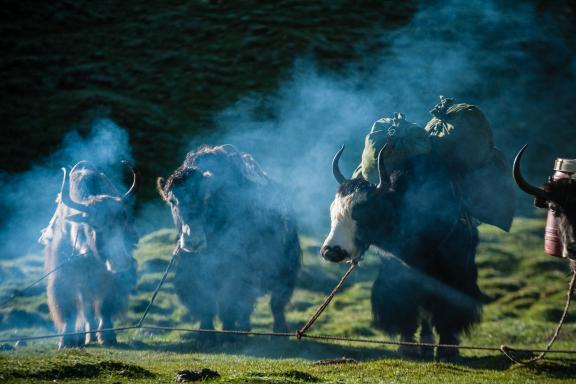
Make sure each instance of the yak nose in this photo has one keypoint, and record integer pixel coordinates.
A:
(192, 241)
(192, 244)
(334, 254)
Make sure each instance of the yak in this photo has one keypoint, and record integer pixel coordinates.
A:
(88, 245)
(428, 275)
(238, 236)
(560, 197)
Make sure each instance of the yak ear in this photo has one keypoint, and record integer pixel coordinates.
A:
(78, 218)
(160, 184)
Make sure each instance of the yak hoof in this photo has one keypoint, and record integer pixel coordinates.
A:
(70, 342)
(409, 351)
(203, 339)
(427, 352)
(280, 328)
(107, 339)
(447, 354)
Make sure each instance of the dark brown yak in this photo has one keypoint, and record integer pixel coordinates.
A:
(558, 196)
(239, 238)
(91, 237)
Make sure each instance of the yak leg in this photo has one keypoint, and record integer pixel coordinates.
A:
(457, 305)
(426, 337)
(91, 323)
(196, 291)
(396, 302)
(236, 303)
(229, 315)
(62, 303)
(278, 302)
(245, 310)
(408, 351)
(448, 352)
(105, 337)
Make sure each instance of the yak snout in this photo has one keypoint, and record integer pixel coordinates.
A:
(192, 239)
(334, 254)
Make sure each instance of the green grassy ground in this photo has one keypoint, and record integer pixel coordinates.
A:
(524, 295)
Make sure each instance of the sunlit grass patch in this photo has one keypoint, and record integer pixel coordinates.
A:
(524, 294)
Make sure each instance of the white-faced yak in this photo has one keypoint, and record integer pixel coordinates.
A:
(238, 236)
(428, 275)
(89, 242)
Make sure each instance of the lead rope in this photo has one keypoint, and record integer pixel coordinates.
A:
(507, 351)
(19, 292)
(151, 302)
(301, 331)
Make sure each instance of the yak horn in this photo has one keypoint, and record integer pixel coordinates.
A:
(522, 183)
(65, 195)
(336, 168)
(383, 178)
(135, 181)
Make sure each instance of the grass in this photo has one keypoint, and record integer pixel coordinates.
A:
(524, 295)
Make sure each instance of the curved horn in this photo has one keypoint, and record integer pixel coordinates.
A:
(160, 183)
(65, 195)
(383, 178)
(336, 168)
(522, 183)
(135, 181)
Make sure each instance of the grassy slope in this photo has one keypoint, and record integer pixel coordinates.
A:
(161, 69)
(524, 293)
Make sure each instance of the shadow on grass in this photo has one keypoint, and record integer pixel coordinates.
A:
(276, 348)
(265, 347)
(554, 368)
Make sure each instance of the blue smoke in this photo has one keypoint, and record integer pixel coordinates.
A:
(510, 60)
(28, 198)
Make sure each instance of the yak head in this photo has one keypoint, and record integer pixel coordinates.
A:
(560, 197)
(100, 223)
(202, 193)
(360, 213)
(187, 193)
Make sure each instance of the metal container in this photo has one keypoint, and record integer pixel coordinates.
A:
(564, 169)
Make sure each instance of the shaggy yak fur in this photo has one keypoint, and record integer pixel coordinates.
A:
(91, 238)
(238, 236)
(428, 275)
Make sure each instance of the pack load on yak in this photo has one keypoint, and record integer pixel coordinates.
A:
(404, 139)
(461, 136)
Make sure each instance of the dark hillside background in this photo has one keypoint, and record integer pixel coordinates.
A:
(162, 69)
(288, 81)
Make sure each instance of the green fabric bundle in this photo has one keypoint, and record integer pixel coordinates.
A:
(461, 134)
(404, 140)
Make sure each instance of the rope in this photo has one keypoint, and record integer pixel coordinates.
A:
(151, 302)
(287, 335)
(301, 331)
(51, 336)
(506, 350)
(17, 292)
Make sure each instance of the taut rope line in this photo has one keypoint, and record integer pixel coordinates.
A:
(301, 333)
